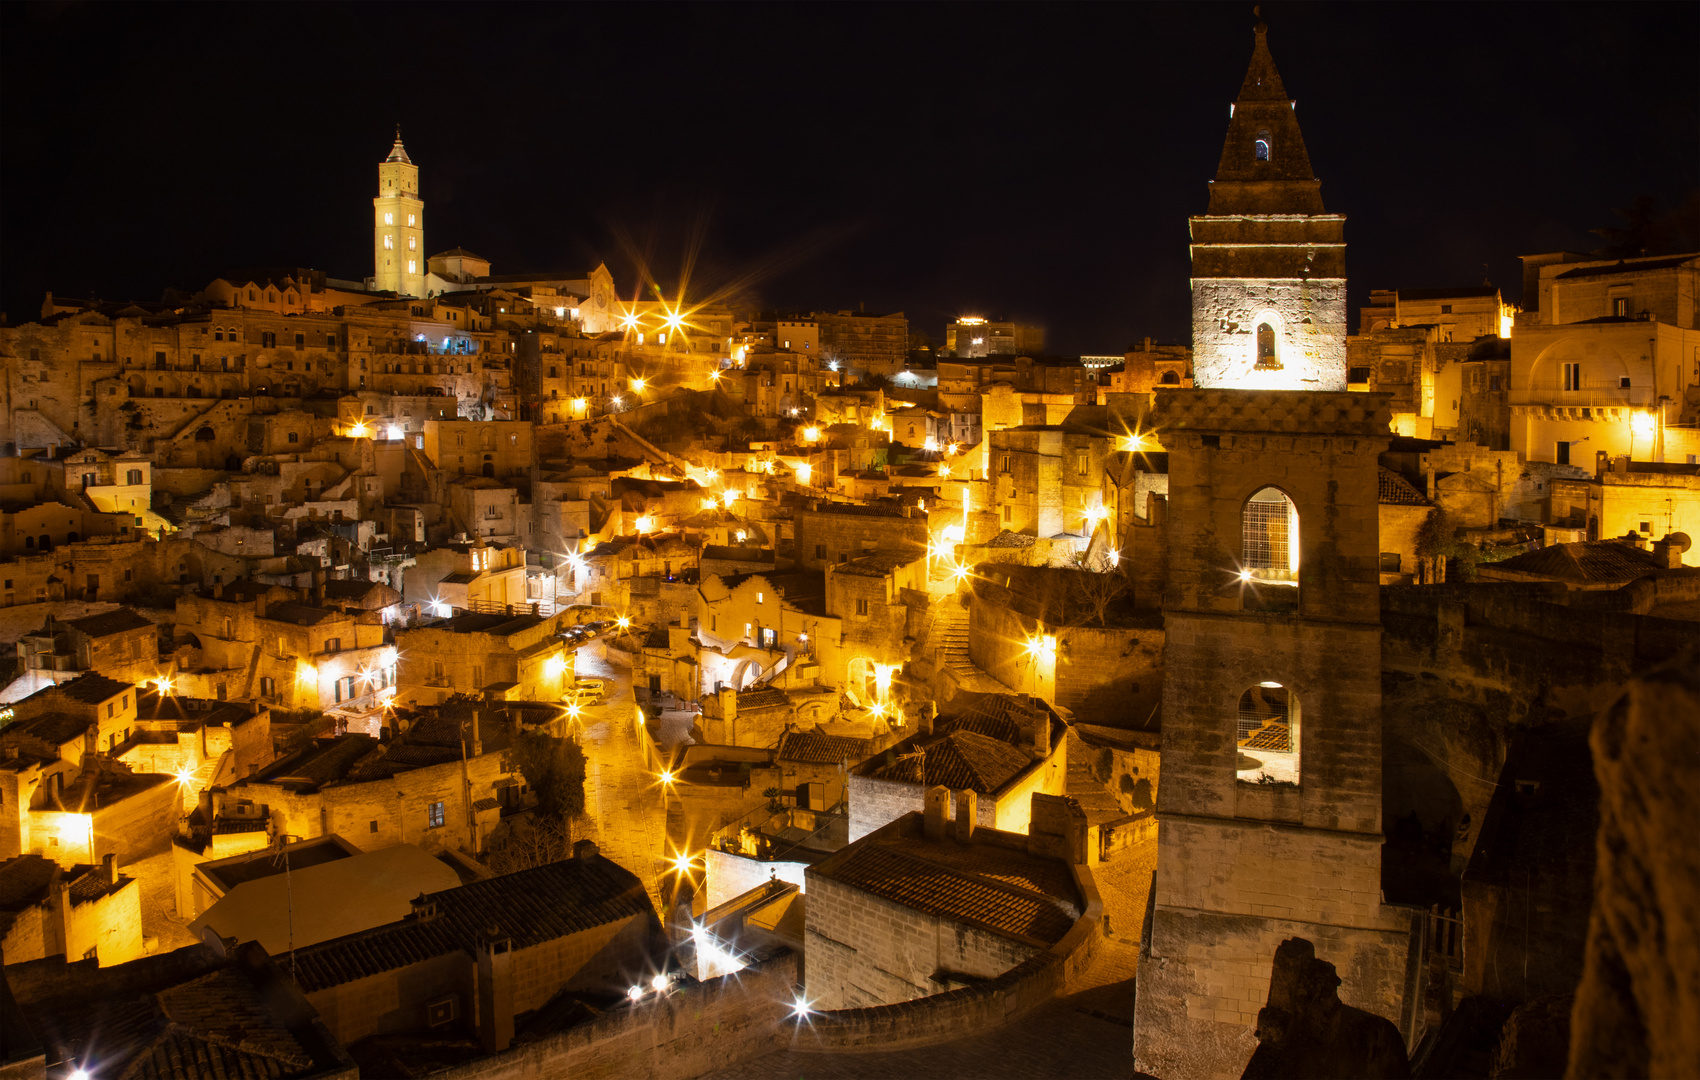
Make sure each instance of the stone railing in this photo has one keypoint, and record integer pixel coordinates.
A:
(970, 1010)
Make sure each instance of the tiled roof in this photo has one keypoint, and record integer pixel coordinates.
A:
(961, 759)
(762, 697)
(1590, 560)
(299, 614)
(322, 763)
(1009, 717)
(92, 688)
(532, 906)
(918, 882)
(120, 621)
(878, 564)
(24, 880)
(1282, 412)
(54, 728)
(1395, 490)
(88, 883)
(1624, 267)
(815, 748)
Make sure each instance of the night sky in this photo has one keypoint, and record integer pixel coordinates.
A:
(1034, 161)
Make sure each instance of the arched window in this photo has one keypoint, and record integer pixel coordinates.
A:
(1170, 379)
(1269, 536)
(1267, 734)
(1267, 357)
(1261, 146)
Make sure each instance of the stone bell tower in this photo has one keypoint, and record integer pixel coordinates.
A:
(1268, 263)
(1269, 814)
(398, 226)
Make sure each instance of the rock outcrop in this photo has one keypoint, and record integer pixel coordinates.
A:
(1640, 989)
(1306, 1031)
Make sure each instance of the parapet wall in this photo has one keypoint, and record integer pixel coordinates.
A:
(970, 1010)
(693, 1030)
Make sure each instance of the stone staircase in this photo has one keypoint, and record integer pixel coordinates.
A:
(947, 640)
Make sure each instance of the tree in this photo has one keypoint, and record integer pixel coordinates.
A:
(1101, 590)
(530, 842)
(554, 768)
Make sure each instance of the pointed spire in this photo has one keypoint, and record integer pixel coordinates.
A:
(1265, 168)
(398, 152)
(1262, 81)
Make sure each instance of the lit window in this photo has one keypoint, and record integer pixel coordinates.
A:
(412, 267)
(389, 219)
(434, 815)
(1267, 731)
(410, 221)
(389, 242)
(412, 243)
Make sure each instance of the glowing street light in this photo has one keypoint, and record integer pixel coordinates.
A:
(944, 470)
(394, 432)
(666, 777)
(660, 982)
(644, 524)
(635, 993)
(615, 401)
(729, 498)
(359, 431)
(623, 622)
(638, 385)
(811, 434)
(804, 471)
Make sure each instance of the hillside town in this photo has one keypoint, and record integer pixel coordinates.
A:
(473, 674)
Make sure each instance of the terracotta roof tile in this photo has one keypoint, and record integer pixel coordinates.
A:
(815, 748)
(1395, 490)
(927, 886)
(532, 906)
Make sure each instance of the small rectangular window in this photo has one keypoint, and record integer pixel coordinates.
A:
(1620, 306)
(434, 815)
(861, 607)
(1561, 453)
(1446, 309)
(1572, 376)
(1623, 382)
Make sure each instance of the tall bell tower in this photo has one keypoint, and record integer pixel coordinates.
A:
(1269, 814)
(1268, 262)
(398, 225)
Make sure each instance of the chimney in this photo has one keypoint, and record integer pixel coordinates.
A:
(495, 990)
(1602, 464)
(967, 803)
(109, 869)
(424, 908)
(585, 851)
(1041, 731)
(937, 811)
(1669, 551)
(1621, 464)
(477, 740)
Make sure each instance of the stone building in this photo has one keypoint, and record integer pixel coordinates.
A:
(1608, 359)
(1269, 815)
(1460, 313)
(930, 903)
(512, 657)
(1270, 810)
(119, 644)
(482, 954)
(1049, 479)
(1268, 262)
(972, 336)
(1003, 748)
(831, 533)
(82, 911)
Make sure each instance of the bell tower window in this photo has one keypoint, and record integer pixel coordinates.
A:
(389, 241)
(1261, 146)
(1267, 734)
(1269, 552)
(1266, 353)
(389, 219)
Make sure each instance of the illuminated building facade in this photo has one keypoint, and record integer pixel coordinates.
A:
(398, 226)
(1268, 262)
(1269, 814)
(974, 336)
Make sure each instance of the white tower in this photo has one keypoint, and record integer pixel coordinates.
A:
(398, 226)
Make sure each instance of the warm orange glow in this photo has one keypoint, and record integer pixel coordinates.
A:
(804, 471)
(623, 622)
(359, 431)
(811, 434)
(638, 385)
(1641, 423)
(644, 524)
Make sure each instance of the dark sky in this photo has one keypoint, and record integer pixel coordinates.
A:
(1038, 161)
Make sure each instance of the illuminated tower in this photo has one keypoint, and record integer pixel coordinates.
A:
(1269, 813)
(1268, 264)
(398, 226)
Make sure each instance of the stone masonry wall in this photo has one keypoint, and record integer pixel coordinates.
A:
(1309, 318)
(866, 951)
